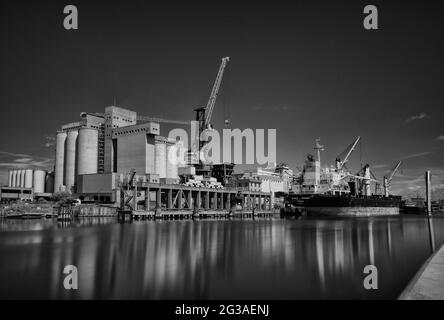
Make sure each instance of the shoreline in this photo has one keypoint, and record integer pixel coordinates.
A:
(428, 282)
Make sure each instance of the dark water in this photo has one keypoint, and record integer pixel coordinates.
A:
(223, 259)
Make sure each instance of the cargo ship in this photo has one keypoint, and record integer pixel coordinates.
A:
(334, 191)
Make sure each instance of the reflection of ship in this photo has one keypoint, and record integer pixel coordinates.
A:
(335, 191)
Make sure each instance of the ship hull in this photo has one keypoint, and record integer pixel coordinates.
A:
(325, 205)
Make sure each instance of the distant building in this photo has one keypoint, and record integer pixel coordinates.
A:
(273, 179)
(244, 183)
(27, 184)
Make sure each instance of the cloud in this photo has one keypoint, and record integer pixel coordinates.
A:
(440, 138)
(416, 155)
(21, 160)
(413, 183)
(420, 116)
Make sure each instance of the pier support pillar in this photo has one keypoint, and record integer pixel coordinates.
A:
(228, 203)
(428, 180)
(198, 200)
(170, 198)
(147, 199)
(207, 200)
(134, 198)
(215, 200)
(190, 200)
(159, 199)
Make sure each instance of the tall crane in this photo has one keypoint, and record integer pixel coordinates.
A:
(388, 180)
(341, 162)
(203, 114)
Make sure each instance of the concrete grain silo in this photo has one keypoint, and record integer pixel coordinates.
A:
(22, 179)
(60, 161)
(10, 171)
(28, 178)
(70, 166)
(172, 162)
(49, 182)
(88, 142)
(39, 181)
(17, 178)
(160, 159)
(14, 177)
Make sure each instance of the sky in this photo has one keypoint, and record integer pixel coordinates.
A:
(305, 68)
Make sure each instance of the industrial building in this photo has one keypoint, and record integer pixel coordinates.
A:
(27, 184)
(94, 153)
(118, 157)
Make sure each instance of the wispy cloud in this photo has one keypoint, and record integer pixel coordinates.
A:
(416, 155)
(413, 183)
(21, 160)
(420, 116)
(440, 138)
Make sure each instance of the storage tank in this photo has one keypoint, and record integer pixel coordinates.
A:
(39, 181)
(88, 147)
(14, 178)
(172, 162)
(22, 179)
(10, 177)
(28, 178)
(60, 161)
(160, 159)
(17, 178)
(49, 182)
(70, 167)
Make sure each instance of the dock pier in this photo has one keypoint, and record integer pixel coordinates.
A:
(143, 200)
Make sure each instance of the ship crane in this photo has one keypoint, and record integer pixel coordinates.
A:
(388, 180)
(341, 163)
(365, 176)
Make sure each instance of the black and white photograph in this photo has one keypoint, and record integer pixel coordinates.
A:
(244, 152)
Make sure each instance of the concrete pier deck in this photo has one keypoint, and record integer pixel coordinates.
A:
(428, 283)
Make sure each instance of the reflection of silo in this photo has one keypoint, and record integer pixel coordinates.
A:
(49, 183)
(28, 178)
(14, 178)
(10, 171)
(70, 167)
(88, 151)
(171, 162)
(59, 161)
(160, 159)
(39, 181)
(22, 179)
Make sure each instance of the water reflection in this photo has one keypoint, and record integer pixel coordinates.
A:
(256, 259)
